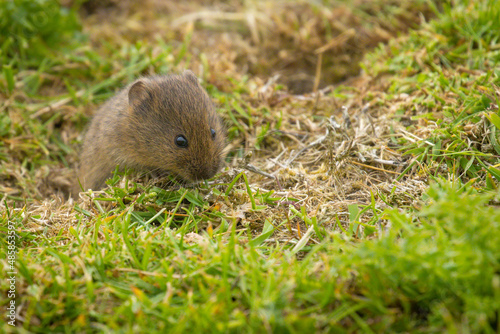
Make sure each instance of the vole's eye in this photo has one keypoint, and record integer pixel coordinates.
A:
(181, 141)
(212, 131)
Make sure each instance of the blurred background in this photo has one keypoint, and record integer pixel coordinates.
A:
(230, 38)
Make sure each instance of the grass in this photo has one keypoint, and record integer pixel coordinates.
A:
(459, 58)
(382, 214)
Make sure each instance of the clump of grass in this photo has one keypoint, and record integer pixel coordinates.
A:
(435, 271)
(438, 267)
(31, 30)
(452, 83)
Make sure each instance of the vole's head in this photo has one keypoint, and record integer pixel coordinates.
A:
(175, 127)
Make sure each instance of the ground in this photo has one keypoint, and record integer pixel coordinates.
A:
(360, 191)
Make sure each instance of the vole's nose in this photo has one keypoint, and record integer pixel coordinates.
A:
(205, 174)
(201, 172)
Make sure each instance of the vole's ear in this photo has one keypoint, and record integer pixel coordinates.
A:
(138, 93)
(190, 76)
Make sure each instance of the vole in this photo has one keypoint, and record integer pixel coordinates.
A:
(164, 123)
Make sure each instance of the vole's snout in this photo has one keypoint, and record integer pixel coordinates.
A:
(203, 172)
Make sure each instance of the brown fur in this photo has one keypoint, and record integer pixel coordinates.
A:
(137, 129)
